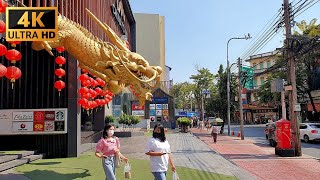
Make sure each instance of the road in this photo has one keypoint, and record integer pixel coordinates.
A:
(256, 132)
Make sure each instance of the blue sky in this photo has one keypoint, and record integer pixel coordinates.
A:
(197, 31)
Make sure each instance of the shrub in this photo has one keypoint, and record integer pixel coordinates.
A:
(124, 119)
(134, 119)
(184, 121)
(109, 119)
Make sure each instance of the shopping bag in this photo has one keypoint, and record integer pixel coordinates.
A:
(175, 176)
(127, 171)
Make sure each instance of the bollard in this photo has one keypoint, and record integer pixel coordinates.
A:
(239, 134)
(232, 133)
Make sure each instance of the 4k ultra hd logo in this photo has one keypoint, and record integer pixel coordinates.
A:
(31, 23)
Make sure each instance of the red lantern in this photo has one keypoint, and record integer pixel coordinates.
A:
(14, 43)
(100, 82)
(60, 49)
(84, 71)
(83, 90)
(60, 60)
(98, 90)
(13, 73)
(3, 70)
(2, 26)
(83, 77)
(97, 101)
(59, 85)
(83, 101)
(86, 83)
(3, 49)
(60, 72)
(13, 55)
(3, 6)
(86, 95)
(94, 104)
(102, 102)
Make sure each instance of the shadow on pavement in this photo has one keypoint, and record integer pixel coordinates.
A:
(41, 174)
(193, 151)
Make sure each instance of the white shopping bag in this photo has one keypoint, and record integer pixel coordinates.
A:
(127, 171)
(175, 176)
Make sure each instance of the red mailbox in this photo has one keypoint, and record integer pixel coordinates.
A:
(283, 134)
(283, 138)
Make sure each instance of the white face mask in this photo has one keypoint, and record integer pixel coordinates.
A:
(110, 132)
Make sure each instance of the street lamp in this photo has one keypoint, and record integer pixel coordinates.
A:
(246, 37)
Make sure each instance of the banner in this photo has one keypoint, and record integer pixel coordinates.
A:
(33, 121)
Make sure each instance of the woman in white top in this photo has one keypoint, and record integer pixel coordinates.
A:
(158, 149)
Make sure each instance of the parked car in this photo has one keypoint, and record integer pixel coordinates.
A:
(270, 132)
(310, 132)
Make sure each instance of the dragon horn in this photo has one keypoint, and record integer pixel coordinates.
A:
(110, 33)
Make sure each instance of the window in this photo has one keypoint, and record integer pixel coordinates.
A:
(255, 84)
(261, 65)
(316, 126)
(303, 126)
(262, 80)
(268, 64)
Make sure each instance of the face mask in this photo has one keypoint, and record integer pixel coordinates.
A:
(110, 132)
(156, 135)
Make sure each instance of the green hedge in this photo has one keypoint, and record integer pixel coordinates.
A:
(129, 119)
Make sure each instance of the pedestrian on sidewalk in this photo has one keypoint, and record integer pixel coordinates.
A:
(158, 148)
(214, 132)
(107, 148)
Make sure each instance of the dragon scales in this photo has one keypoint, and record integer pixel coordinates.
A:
(113, 62)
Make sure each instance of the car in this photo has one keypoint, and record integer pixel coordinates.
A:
(270, 132)
(310, 132)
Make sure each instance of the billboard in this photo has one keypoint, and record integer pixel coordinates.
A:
(33, 121)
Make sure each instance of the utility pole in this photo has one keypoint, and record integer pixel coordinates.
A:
(240, 99)
(292, 81)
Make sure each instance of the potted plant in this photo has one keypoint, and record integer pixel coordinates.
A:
(109, 119)
(184, 123)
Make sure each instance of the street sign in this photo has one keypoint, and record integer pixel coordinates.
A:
(277, 85)
(249, 72)
(205, 91)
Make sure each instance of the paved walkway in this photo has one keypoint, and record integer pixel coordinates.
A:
(259, 159)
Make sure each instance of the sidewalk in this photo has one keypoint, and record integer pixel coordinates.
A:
(259, 159)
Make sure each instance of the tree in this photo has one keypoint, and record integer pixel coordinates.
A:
(203, 80)
(181, 93)
(217, 104)
(307, 64)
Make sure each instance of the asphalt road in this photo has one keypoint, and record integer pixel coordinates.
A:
(256, 132)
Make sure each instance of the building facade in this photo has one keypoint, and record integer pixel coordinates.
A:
(34, 97)
(150, 38)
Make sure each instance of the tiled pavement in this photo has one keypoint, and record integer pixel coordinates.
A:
(259, 159)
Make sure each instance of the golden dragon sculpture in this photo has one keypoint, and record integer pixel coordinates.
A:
(111, 61)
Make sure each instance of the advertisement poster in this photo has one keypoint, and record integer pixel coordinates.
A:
(152, 106)
(158, 106)
(152, 112)
(159, 112)
(152, 118)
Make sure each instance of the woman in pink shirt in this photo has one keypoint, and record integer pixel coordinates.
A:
(106, 149)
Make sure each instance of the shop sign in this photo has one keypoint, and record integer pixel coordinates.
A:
(23, 116)
(159, 112)
(152, 112)
(22, 126)
(136, 107)
(138, 113)
(152, 106)
(165, 106)
(158, 106)
(119, 15)
(262, 110)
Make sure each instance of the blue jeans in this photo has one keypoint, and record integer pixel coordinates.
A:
(108, 165)
(159, 175)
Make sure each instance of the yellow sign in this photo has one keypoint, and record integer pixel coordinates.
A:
(31, 23)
